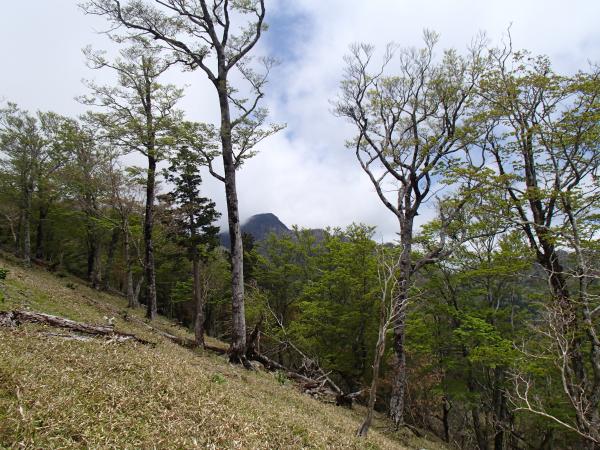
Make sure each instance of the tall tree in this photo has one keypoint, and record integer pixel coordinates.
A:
(125, 198)
(85, 178)
(140, 116)
(190, 221)
(30, 156)
(410, 127)
(544, 143)
(208, 36)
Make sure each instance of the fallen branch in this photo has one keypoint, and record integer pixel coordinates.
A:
(78, 337)
(15, 318)
(322, 385)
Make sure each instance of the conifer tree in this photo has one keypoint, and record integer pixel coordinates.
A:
(191, 220)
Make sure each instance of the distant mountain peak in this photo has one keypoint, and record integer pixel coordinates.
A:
(259, 226)
(265, 218)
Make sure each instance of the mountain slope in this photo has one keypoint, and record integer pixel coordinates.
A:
(96, 393)
(259, 226)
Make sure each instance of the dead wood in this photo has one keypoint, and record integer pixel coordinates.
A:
(314, 382)
(15, 318)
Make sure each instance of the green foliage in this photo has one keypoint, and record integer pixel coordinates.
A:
(486, 345)
(322, 290)
(281, 377)
(181, 292)
(478, 309)
(217, 378)
(188, 216)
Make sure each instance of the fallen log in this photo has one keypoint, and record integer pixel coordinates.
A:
(16, 317)
(309, 385)
(310, 367)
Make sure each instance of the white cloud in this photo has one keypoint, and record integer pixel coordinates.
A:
(304, 174)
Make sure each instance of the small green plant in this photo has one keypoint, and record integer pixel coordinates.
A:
(70, 285)
(281, 377)
(217, 378)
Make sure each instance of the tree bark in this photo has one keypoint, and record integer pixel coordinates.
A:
(132, 299)
(446, 419)
(14, 318)
(237, 349)
(379, 351)
(151, 306)
(396, 411)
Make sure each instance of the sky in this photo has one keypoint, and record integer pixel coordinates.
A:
(304, 174)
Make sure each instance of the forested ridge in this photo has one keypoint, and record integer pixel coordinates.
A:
(479, 325)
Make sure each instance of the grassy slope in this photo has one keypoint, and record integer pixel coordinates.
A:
(59, 393)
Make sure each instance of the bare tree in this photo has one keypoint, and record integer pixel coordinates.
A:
(388, 265)
(140, 117)
(206, 35)
(411, 127)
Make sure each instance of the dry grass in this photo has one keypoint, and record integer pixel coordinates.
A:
(58, 393)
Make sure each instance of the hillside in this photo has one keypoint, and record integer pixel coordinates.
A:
(58, 391)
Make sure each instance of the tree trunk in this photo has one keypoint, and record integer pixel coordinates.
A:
(480, 435)
(26, 214)
(114, 239)
(446, 419)
(149, 246)
(40, 234)
(479, 432)
(379, 351)
(138, 288)
(19, 234)
(96, 275)
(500, 409)
(237, 349)
(396, 412)
(93, 256)
(132, 299)
(199, 301)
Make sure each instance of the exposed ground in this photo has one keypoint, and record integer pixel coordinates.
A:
(57, 392)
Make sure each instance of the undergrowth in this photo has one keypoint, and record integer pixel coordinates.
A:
(59, 393)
